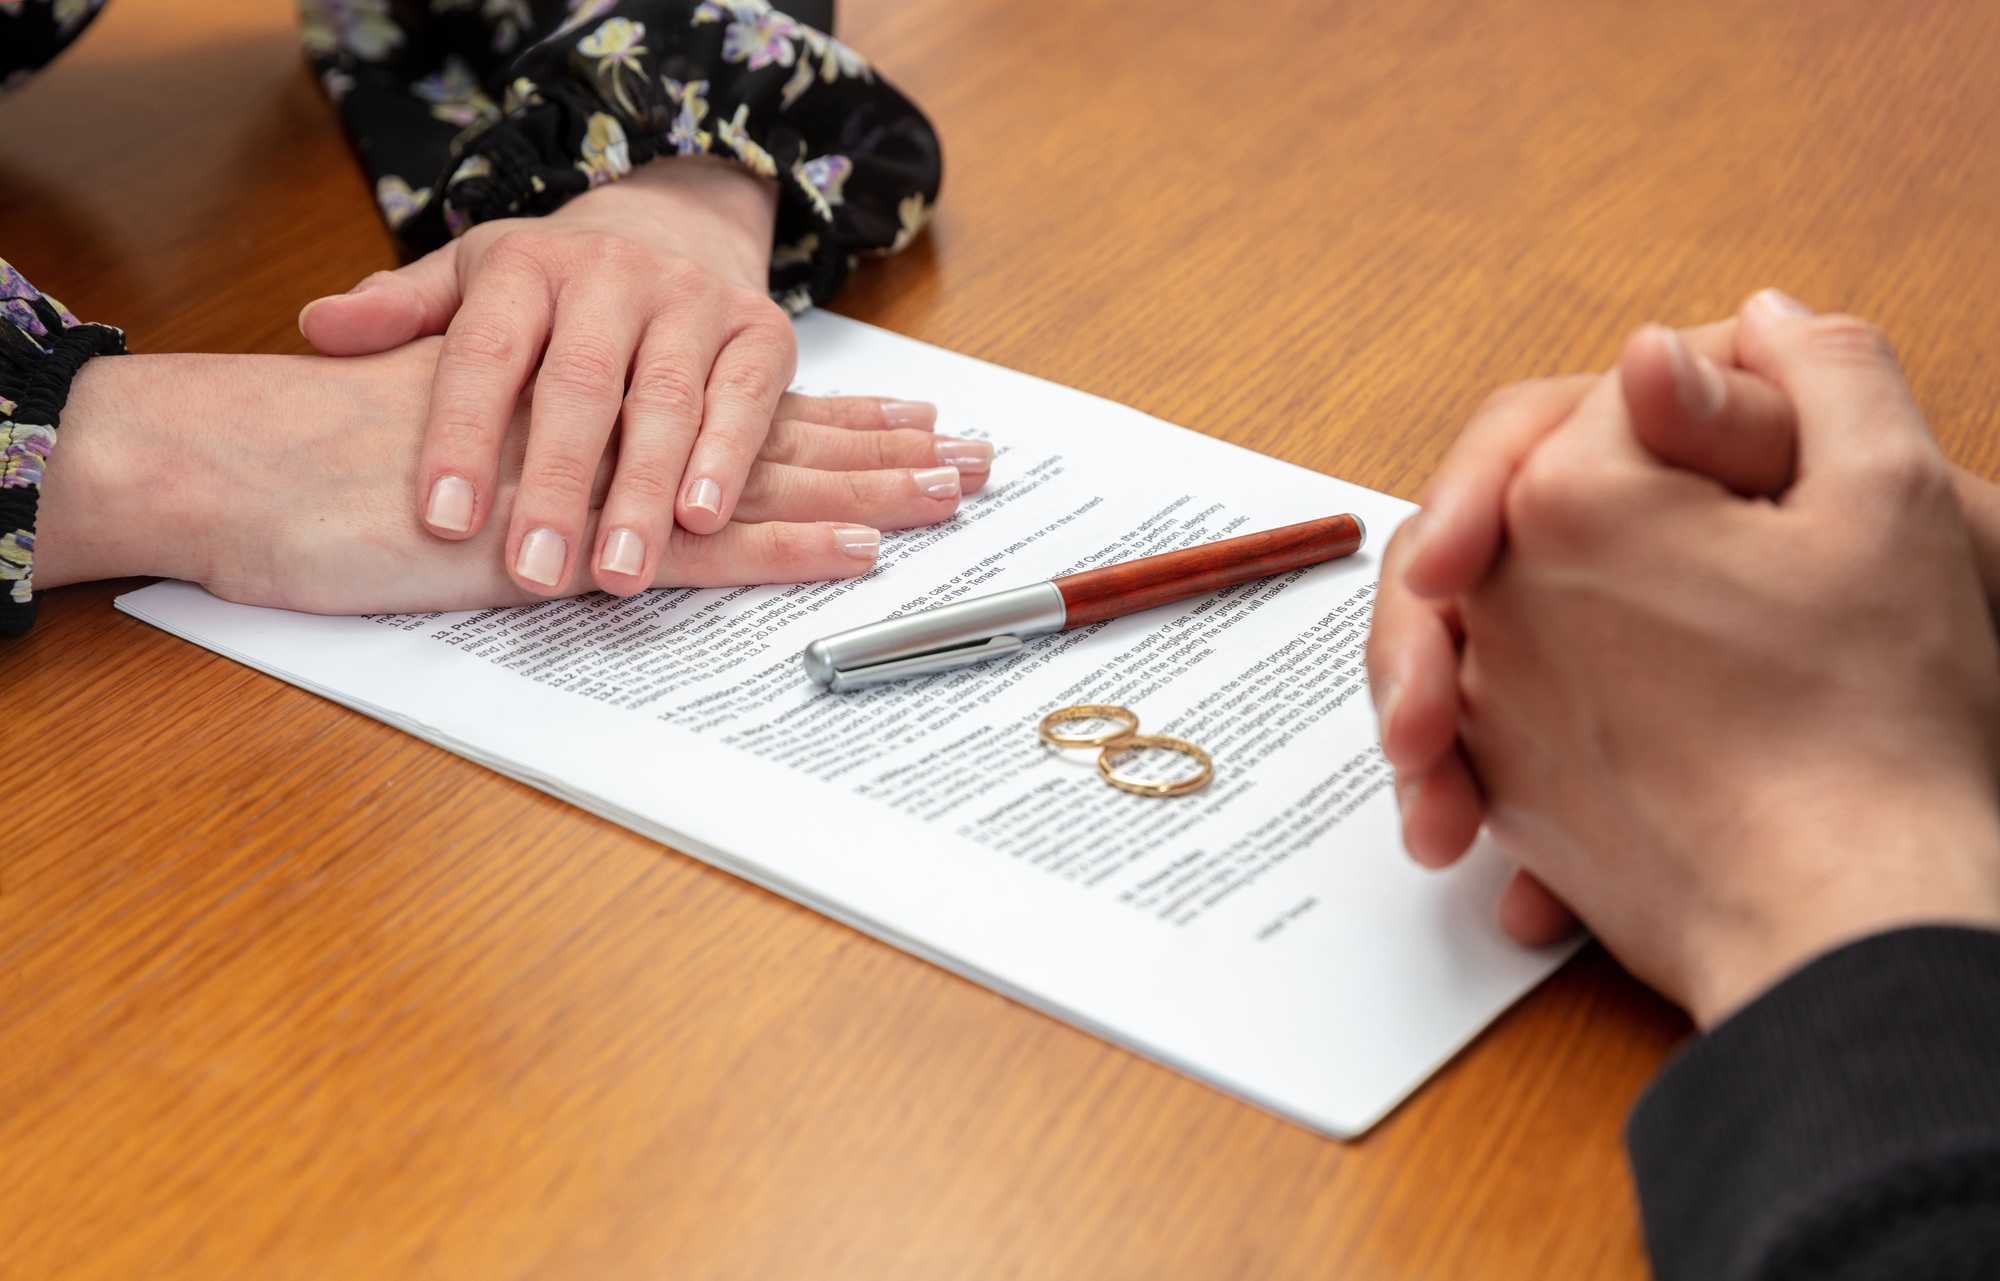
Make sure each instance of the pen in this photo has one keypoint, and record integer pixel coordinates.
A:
(986, 627)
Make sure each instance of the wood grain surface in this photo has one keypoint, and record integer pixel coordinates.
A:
(284, 993)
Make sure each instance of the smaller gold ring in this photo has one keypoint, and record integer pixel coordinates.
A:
(1177, 787)
(1088, 711)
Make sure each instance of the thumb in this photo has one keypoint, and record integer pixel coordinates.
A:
(1733, 427)
(386, 309)
(1855, 410)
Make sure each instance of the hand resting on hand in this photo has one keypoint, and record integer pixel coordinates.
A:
(292, 481)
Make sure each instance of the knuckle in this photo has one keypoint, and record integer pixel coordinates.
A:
(646, 483)
(859, 491)
(890, 448)
(517, 250)
(750, 382)
(1907, 472)
(587, 365)
(1548, 500)
(665, 389)
(1851, 338)
(485, 340)
(559, 475)
(782, 544)
(457, 436)
(1513, 395)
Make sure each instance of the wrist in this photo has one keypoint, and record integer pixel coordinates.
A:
(702, 207)
(1934, 860)
(121, 495)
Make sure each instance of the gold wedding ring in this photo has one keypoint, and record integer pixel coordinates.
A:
(1122, 740)
(1143, 787)
(1084, 712)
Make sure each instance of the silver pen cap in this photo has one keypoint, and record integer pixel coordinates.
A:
(935, 640)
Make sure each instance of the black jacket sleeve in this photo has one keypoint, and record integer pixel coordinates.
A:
(1845, 1125)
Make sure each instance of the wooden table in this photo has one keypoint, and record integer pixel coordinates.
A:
(284, 993)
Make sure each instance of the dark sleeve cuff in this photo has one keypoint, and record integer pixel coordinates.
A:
(1846, 1123)
(41, 348)
(856, 164)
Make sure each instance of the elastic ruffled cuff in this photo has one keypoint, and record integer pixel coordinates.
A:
(42, 347)
(857, 165)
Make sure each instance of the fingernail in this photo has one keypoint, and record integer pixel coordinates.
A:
(624, 552)
(541, 558)
(305, 311)
(920, 414)
(1416, 532)
(1698, 383)
(937, 482)
(1709, 392)
(1779, 303)
(858, 541)
(451, 504)
(705, 494)
(1407, 790)
(966, 455)
(1387, 694)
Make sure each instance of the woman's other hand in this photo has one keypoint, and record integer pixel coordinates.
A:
(292, 481)
(637, 309)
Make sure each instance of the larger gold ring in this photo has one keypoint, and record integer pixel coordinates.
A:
(1088, 711)
(1143, 787)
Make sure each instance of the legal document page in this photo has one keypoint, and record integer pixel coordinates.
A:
(1266, 934)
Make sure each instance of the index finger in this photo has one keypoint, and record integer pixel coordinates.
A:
(489, 348)
(1453, 540)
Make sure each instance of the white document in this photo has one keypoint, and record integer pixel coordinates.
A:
(1266, 935)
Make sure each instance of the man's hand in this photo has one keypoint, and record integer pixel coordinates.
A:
(1691, 406)
(1734, 733)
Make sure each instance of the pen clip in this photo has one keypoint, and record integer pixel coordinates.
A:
(941, 660)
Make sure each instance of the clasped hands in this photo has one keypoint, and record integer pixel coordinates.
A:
(1706, 645)
(596, 398)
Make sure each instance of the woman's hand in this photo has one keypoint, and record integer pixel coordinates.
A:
(1731, 732)
(643, 305)
(292, 481)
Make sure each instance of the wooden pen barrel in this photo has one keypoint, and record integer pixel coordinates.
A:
(1097, 594)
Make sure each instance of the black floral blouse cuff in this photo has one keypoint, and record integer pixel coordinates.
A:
(622, 82)
(41, 348)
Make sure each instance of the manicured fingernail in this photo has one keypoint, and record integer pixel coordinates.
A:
(541, 558)
(937, 482)
(966, 455)
(1779, 303)
(451, 504)
(624, 552)
(705, 494)
(1697, 382)
(920, 414)
(858, 541)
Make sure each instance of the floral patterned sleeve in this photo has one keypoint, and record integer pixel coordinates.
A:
(33, 32)
(469, 110)
(41, 348)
